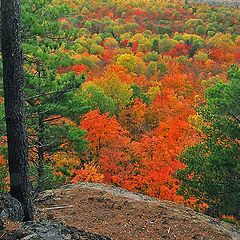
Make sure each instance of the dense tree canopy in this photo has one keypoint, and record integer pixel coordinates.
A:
(118, 90)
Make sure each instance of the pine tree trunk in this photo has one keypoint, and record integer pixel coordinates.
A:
(40, 154)
(13, 78)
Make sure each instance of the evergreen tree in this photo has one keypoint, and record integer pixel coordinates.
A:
(13, 79)
(53, 100)
(212, 174)
(155, 45)
(51, 94)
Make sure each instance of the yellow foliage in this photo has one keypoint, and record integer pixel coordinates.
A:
(116, 84)
(222, 41)
(196, 121)
(89, 173)
(153, 92)
(69, 160)
(131, 63)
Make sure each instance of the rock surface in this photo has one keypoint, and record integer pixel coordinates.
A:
(50, 230)
(124, 215)
(93, 211)
(10, 208)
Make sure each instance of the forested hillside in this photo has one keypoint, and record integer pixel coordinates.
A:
(142, 95)
(221, 2)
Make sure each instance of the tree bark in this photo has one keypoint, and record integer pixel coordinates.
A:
(13, 78)
(40, 153)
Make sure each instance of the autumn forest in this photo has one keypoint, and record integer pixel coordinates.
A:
(142, 94)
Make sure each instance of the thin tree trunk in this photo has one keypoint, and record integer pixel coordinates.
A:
(40, 154)
(13, 78)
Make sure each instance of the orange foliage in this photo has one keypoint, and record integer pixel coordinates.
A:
(90, 173)
(112, 71)
(2, 161)
(228, 217)
(107, 56)
(143, 157)
(179, 83)
(194, 203)
(78, 69)
(135, 118)
(157, 153)
(102, 131)
(109, 144)
(3, 142)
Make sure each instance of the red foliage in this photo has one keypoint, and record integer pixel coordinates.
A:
(2, 161)
(237, 54)
(103, 131)
(107, 56)
(109, 146)
(144, 157)
(135, 47)
(138, 12)
(124, 43)
(179, 49)
(157, 153)
(216, 54)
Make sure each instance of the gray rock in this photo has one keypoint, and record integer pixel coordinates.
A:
(10, 208)
(50, 230)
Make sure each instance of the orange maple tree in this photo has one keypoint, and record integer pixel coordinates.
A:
(109, 147)
(157, 153)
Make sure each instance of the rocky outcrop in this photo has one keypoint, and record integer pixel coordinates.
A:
(50, 230)
(10, 208)
(120, 215)
(92, 211)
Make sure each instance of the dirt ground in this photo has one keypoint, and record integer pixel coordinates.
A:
(122, 215)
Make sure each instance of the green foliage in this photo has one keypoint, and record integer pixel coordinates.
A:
(164, 30)
(201, 56)
(137, 93)
(96, 99)
(64, 42)
(117, 90)
(96, 49)
(39, 19)
(2, 123)
(212, 174)
(50, 178)
(155, 45)
(151, 69)
(51, 92)
(3, 179)
(165, 45)
(151, 56)
(200, 30)
(162, 69)
(192, 24)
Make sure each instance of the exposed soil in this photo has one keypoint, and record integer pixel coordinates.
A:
(122, 215)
